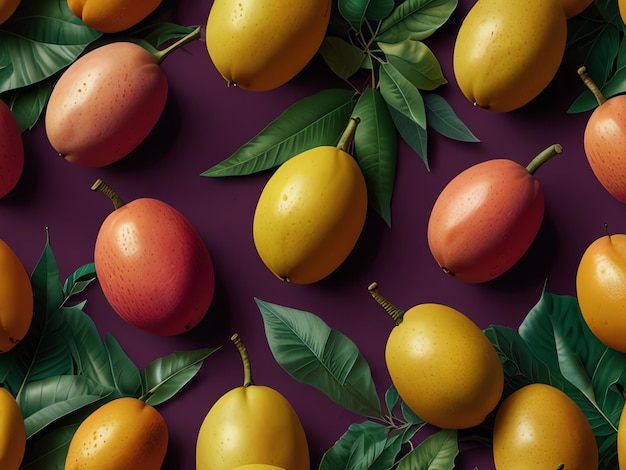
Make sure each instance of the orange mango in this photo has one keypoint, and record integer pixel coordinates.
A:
(112, 16)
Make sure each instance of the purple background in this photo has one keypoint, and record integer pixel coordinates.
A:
(204, 122)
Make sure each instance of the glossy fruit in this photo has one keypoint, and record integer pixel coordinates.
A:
(621, 438)
(123, 434)
(257, 466)
(486, 218)
(154, 268)
(291, 32)
(7, 8)
(311, 213)
(442, 365)
(621, 4)
(250, 424)
(575, 7)
(112, 16)
(601, 289)
(16, 299)
(107, 102)
(508, 51)
(605, 140)
(12, 432)
(11, 150)
(539, 426)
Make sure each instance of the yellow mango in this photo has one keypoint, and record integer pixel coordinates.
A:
(261, 45)
(508, 51)
(16, 299)
(12, 432)
(7, 8)
(112, 16)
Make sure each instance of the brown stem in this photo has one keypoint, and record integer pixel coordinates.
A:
(396, 313)
(101, 186)
(543, 157)
(582, 72)
(348, 134)
(245, 358)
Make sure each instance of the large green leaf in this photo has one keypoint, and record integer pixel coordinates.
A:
(442, 118)
(415, 19)
(353, 11)
(317, 355)
(316, 120)
(342, 57)
(436, 452)
(401, 94)
(379, 9)
(126, 374)
(376, 149)
(416, 62)
(27, 103)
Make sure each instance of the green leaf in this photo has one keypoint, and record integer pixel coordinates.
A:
(437, 452)
(126, 374)
(442, 118)
(317, 355)
(392, 398)
(401, 95)
(342, 57)
(379, 9)
(353, 11)
(78, 281)
(350, 449)
(376, 150)
(412, 133)
(28, 103)
(416, 62)
(166, 376)
(415, 19)
(49, 450)
(40, 39)
(319, 119)
(156, 34)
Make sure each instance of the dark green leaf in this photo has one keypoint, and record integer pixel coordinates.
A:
(402, 95)
(165, 377)
(442, 118)
(437, 452)
(126, 375)
(28, 103)
(317, 355)
(353, 11)
(412, 133)
(392, 398)
(415, 19)
(379, 9)
(350, 448)
(316, 120)
(156, 34)
(343, 58)
(79, 280)
(376, 150)
(416, 62)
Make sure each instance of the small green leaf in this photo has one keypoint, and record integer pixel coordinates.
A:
(28, 103)
(316, 120)
(79, 280)
(351, 446)
(126, 375)
(165, 377)
(379, 9)
(317, 355)
(415, 19)
(437, 452)
(156, 34)
(48, 450)
(412, 133)
(342, 57)
(442, 118)
(401, 95)
(392, 398)
(416, 62)
(353, 11)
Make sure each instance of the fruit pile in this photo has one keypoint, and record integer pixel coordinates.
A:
(131, 105)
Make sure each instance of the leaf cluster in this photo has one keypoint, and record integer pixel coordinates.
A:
(62, 370)
(385, 41)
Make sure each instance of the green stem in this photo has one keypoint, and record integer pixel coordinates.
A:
(101, 186)
(582, 72)
(245, 358)
(348, 134)
(160, 56)
(396, 313)
(543, 157)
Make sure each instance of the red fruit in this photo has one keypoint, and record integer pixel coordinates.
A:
(11, 150)
(154, 268)
(485, 219)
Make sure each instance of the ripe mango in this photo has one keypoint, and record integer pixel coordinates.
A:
(7, 8)
(12, 432)
(261, 45)
(11, 150)
(112, 16)
(311, 213)
(508, 51)
(16, 299)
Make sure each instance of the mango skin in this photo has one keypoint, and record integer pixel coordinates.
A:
(310, 215)
(16, 299)
(508, 51)
(485, 219)
(112, 16)
(105, 104)
(7, 8)
(260, 46)
(11, 150)
(12, 432)
(154, 268)
(249, 425)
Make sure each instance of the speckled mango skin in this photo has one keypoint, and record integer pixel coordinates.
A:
(154, 269)
(12, 432)
(508, 51)
(485, 219)
(112, 16)
(605, 145)
(11, 150)
(260, 46)
(105, 104)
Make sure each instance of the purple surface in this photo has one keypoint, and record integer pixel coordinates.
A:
(204, 122)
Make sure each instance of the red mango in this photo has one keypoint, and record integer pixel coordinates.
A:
(11, 150)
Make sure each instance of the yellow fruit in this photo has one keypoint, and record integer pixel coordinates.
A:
(507, 51)
(257, 466)
(12, 432)
(7, 8)
(123, 434)
(251, 423)
(539, 426)
(621, 4)
(442, 365)
(311, 213)
(16, 299)
(258, 45)
(621, 439)
(601, 289)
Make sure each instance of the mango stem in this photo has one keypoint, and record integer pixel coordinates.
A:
(543, 157)
(396, 313)
(245, 358)
(348, 134)
(582, 72)
(101, 186)
(160, 56)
